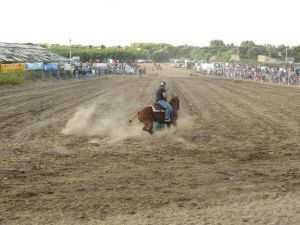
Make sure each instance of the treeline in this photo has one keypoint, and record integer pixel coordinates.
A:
(93, 53)
(161, 52)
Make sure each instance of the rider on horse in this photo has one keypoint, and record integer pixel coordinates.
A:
(162, 101)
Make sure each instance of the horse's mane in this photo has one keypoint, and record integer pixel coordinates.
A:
(174, 97)
(175, 100)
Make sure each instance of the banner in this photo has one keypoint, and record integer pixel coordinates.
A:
(51, 67)
(12, 68)
(34, 66)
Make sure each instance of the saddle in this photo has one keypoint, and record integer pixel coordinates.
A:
(157, 107)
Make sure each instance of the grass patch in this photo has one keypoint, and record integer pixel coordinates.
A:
(32, 75)
(18, 78)
(11, 79)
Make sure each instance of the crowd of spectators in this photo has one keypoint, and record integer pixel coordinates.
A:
(85, 70)
(276, 74)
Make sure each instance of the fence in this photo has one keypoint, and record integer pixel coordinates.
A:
(55, 70)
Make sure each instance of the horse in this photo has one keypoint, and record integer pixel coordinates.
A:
(149, 114)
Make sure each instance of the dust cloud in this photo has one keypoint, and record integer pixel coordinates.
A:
(185, 123)
(86, 123)
(79, 124)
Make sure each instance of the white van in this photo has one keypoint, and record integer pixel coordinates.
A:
(177, 63)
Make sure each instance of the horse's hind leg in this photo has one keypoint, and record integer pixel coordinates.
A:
(145, 119)
(145, 128)
(150, 127)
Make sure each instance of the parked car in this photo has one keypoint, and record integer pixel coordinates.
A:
(142, 60)
(129, 69)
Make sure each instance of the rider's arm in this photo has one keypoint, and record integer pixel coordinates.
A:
(165, 95)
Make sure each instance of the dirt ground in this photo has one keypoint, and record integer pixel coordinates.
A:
(69, 156)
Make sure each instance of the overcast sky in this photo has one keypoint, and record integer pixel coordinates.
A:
(177, 22)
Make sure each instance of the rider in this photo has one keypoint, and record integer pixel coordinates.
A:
(161, 100)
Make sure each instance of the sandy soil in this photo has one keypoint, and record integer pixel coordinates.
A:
(68, 155)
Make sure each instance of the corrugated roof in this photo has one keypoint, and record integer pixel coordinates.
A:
(11, 53)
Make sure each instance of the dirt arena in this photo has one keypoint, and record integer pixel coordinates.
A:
(69, 156)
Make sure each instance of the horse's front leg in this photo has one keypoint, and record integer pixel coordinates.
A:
(174, 123)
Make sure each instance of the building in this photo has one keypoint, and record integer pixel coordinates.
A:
(21, 53)
(234, 58)
(266, 59)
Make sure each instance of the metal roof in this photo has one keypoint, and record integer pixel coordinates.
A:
(13, 53)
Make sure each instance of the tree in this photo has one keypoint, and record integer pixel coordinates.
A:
(253, 52)
(184, 51)
(247, 44)
(216, 43)
(43, 45)
(245, 51)
(224, 55)
(297, 53)
(198, 54)
(161, 56)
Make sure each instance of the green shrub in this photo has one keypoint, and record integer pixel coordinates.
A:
(12, 79)
(33, 75)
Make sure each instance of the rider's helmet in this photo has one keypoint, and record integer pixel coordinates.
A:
(163, 83)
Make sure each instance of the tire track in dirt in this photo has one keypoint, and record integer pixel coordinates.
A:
(260, 134)
(36, 109)
(264, 121)
(30, 86)
(260, 96)
(223, 115)
(239, 108)
(40, 93)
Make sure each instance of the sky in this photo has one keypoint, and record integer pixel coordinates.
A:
(176, 22)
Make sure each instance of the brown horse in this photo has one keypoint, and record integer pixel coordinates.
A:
(148, 116)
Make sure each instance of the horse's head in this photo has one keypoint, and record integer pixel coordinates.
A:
(174, 102)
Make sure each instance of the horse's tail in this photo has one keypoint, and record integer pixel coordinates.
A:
(132, 117)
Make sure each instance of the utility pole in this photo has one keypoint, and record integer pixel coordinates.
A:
(70, 60)
(286, 55)
(238, 53)
(70, 52)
